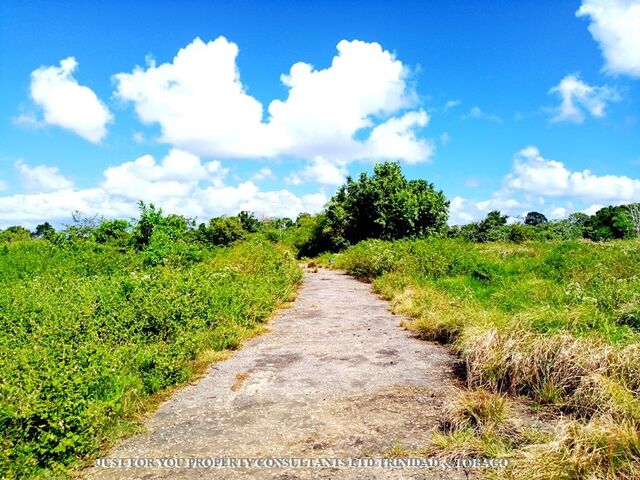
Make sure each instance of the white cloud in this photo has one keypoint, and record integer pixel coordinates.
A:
(320, 170)
(478, 114)
(558, 212)
(592, 209)
(615, 25)
(534, 179)
(67, 104)
(179, 183)
(533, 174)
(463, 210)
(396, 139)
(577, 97)
(176, 176)
(445, 138)
(263, 174)
(41, 178)
(202, 106)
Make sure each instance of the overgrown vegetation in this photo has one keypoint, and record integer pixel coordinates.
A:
(98, 318)
(554, 321)
(387, 206)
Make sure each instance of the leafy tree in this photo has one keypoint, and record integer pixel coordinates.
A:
(491, 229)
(385, 205)
(221, 231)
(113, 231)
(14, 233)
(248, 221)
(518, 233)
(150, 218)
(45, 230)
(610, 223)
(535, 218)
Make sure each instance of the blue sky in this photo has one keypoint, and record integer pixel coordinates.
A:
(515, 106)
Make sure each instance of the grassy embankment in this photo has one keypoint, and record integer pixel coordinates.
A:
(90, 337)
(556, 322)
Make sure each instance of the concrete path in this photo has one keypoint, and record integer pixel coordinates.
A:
(336, 377)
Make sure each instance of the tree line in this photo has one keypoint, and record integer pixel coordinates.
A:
(384, 205)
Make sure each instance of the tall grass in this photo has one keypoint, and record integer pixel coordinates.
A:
(88, 333)
(558, 322)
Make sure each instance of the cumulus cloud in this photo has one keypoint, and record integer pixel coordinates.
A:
(179, 183)
(577, 97)
(41, 178)
(320, 170)
(535, 179)
(176, 176)
(478, 114)
(66, 103)
(615, 25)
(534, 174)
(202, 106)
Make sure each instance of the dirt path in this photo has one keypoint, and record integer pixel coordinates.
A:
(336, 377)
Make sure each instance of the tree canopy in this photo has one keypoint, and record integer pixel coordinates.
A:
(384, 205)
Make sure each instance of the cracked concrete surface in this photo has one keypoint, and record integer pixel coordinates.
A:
(335, 377)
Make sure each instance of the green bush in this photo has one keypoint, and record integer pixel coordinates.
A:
(88, 331)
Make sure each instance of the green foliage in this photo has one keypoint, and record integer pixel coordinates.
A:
(610, 223)
(491, 229)
(150, 219)
(535, 218)
(555, 321)
(45, 230)
(89, 330)
(248, 221)
(614, 222)
(221, 231)
(385, 206)
(14, 234)
(115, 232)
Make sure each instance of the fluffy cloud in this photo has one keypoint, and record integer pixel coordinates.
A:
(534, 180)
(577, 97)
(176, 176)
(202, 106)
(179, 183)
(320, 170)
(533, 174)
(615, 25)
(67, 104)
(41, 178)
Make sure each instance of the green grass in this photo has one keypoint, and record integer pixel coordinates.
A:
(558, 322)
(89, 336)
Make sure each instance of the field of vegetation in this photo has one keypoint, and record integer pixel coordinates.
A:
(98, 320)
(544, 311)
(556, 322)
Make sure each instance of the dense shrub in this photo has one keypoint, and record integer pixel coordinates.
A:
(383, 206)
(88, 331)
